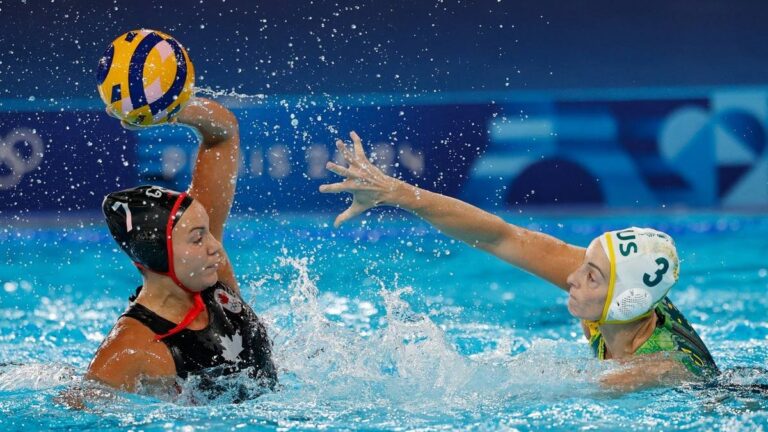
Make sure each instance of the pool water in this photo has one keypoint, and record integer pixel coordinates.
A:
(387, 324)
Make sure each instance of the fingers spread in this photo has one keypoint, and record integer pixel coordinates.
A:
(348, 156)
(357, 144)
(335, 187)
(348, 214)
(338, 169)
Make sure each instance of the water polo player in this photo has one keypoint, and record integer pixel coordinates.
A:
(187, 318)
(617, 286)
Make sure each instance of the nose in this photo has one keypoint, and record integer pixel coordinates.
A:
(571, 281)
(214, 246)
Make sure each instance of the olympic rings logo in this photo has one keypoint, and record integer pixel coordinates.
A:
(18, 163)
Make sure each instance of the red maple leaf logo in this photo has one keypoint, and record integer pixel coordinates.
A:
(223, 298)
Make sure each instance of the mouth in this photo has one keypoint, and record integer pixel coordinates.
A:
(571, 301)
(214, 266)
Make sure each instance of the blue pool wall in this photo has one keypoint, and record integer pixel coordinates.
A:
(612, 149)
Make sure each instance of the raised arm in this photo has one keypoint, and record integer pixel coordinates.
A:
(215, 173)
(537, 253)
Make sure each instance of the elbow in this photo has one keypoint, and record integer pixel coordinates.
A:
(228, 126)
(232, 125)
(499, 233)
(224, 128)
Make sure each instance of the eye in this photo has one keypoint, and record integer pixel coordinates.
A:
(199, 240)
(589, 276)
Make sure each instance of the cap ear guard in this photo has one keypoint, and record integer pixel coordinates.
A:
(644, 266)
(631, 303)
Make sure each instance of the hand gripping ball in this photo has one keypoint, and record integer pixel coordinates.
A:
(145, 77)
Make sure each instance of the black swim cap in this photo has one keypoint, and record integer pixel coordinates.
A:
(141, 220)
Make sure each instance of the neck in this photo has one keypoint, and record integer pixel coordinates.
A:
(161, 295)
(622, 340)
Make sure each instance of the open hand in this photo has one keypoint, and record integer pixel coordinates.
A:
(368, 185)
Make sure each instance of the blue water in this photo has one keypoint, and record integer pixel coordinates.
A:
(388, 325)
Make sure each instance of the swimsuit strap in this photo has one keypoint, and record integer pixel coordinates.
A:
(153, 321)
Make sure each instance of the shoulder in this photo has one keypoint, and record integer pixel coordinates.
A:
(129, 352)
(678, 349)
(672, 315)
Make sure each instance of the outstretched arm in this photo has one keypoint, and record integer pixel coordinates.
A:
(215, 173)
(540, 254)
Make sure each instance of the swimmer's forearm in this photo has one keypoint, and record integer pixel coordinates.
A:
(213, 121)
(538, 253)
(454, 217)
(535, 252)
(215, 173)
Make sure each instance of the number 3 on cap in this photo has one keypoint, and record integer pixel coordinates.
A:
(659, 273)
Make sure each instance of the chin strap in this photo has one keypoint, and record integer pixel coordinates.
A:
(198, 305)
(594, 325)
(196, 310)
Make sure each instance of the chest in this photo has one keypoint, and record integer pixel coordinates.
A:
(232, 336)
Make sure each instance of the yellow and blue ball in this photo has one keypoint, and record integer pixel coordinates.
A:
(145, 77)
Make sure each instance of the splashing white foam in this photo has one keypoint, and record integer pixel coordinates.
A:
(230, 93)
(35, 376)
(408, 362)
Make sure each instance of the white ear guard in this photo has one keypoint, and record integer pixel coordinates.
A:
(644, 266)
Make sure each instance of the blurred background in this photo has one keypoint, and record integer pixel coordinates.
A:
(507, 104)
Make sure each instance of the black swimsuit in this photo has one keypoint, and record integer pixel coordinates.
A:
(234, 340)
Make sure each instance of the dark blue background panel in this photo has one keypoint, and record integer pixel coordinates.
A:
(642, 150)
(397, 46)
(62, 161)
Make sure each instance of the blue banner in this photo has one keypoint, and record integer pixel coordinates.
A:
(702, 150)
(284, 151)
(62, 161)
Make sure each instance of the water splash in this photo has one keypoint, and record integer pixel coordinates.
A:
(346, 362)
(35, 376)
(406, 364)
(231, 93)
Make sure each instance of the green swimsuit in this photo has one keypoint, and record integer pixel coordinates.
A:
(673, 334)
